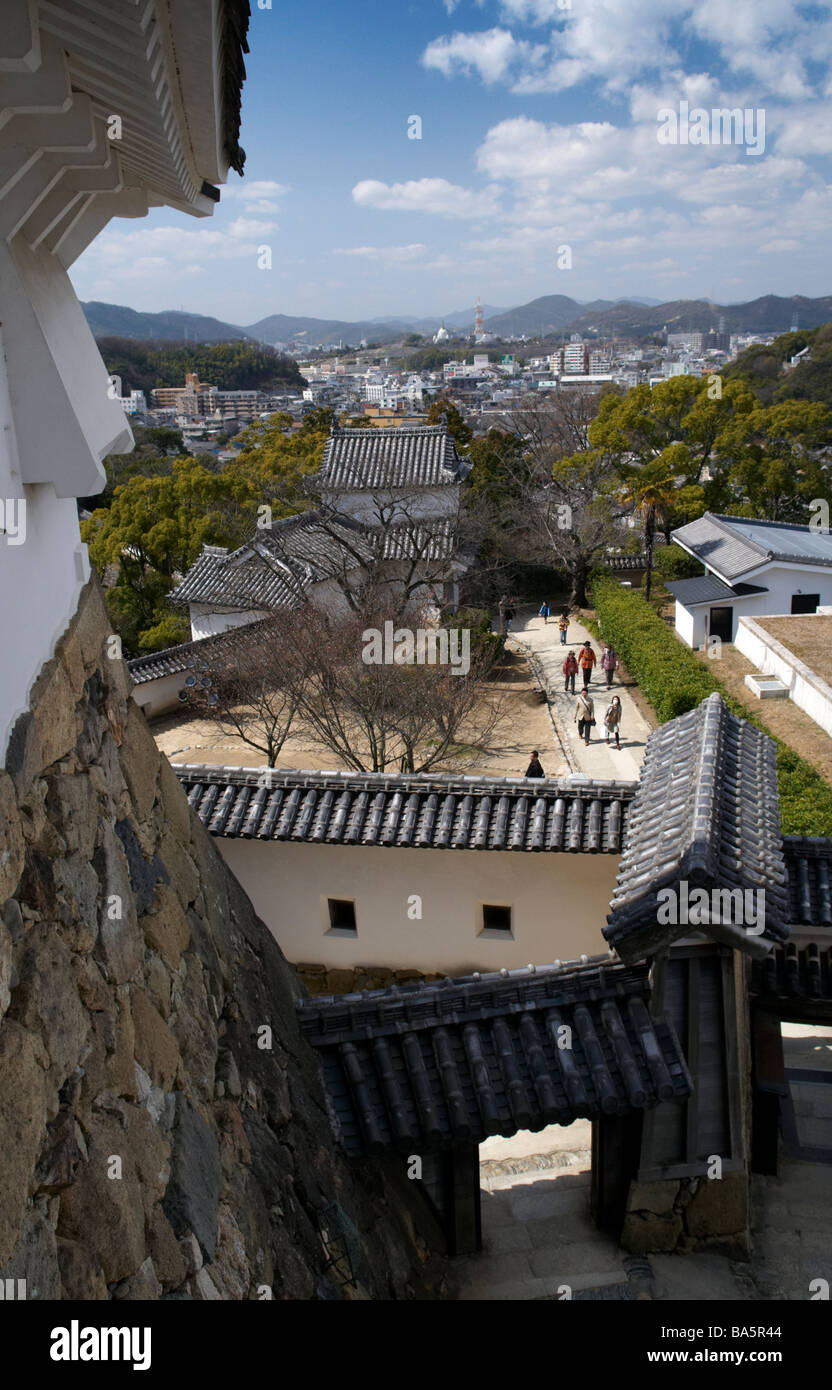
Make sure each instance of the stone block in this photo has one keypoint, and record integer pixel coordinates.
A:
(155, 1048)
(82, 1277)
(120, 945)
(35, 1258)
(6, 946)
(12, 848)
(168, 1260)
(24, 1097)
(143, 1286)
(175, 813)
(720, 1207)
(139, 758)
(165, 927)
(192, 1198)
(644, 1232)
(46, 999)
(106, 1214)
(658, 1197)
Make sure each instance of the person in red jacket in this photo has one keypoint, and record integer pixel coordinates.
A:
(570, 671)
(586, 661)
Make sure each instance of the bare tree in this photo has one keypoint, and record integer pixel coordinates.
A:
(363, 694)
(236, 684)
(563, 504)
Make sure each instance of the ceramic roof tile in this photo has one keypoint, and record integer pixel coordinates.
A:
(706, 815)
(426, 1066)
(418, 811)
(380, 459)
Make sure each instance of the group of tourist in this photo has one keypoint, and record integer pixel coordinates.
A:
(584, 661)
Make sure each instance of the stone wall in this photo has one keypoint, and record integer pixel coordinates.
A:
(155, 1139)
(320, 980)
(685, 1214)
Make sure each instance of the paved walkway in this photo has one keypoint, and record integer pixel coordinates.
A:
(597, 760)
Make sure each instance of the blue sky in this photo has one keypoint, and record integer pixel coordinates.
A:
(539, 130)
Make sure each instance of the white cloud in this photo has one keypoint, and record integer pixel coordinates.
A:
(426, 196)
(257, 195)
(616, 42)
(393, 254)
(491, 54)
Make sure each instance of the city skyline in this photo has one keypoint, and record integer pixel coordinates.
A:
(539, 130)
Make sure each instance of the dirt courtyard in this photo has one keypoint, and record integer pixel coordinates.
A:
(526, 725)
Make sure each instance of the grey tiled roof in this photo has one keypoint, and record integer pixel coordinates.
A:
(276, 568)
(735, 545)
(706, 814)
(232, 580)
(706, 588)
(423, 1067)
(799, 970)
(720, 546)
(381, 459)
(420, 811)
(809, 868)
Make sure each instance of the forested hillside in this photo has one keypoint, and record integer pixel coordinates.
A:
(239, 366)
(762, 368)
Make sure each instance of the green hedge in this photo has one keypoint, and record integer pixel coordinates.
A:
(675, 681)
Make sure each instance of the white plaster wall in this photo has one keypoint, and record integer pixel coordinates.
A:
(407, 506)
(209, 622)
(808, 691)
(781, 583)
(559, 901)
(690, 624)
(40, 584)
(161, 695)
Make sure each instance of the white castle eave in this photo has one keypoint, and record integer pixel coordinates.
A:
(67, 69)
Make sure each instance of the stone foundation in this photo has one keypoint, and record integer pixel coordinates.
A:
(685, 1214)
(319, 980)
(163, 1129)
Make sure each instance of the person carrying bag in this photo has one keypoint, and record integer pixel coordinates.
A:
(585, 715)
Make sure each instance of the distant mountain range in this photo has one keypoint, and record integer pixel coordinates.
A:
(554, 313)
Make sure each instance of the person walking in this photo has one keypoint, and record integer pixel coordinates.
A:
(563, 624)
(586, 660)
(534, 769)
(612, 719)
(509, 618)
(570, 671)
(609, 663)
(585, 715)
(545, 610)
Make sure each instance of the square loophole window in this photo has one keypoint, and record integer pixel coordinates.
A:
(496, 918)
(342, 915)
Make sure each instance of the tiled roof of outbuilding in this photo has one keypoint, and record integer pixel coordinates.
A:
(809, 867)
(420, 811)
(735, 545)
(278, 565)
(371, 459)
(423, 1067)
(706, 588)
(706, 813)
(220, 577)
(798, 970)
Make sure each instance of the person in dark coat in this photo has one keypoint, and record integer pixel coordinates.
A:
(534, 769)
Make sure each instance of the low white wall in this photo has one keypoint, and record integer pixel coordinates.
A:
(769, 656)
(160, 696)
(559, 903)
(40, 583)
